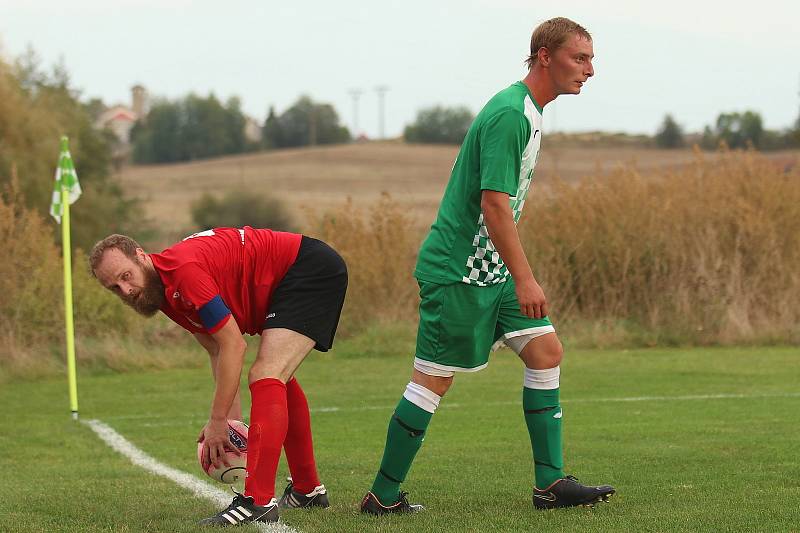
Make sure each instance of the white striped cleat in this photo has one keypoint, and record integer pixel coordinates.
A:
(293, 499)
(243, 510)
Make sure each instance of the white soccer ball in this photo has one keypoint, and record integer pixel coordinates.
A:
(237, 433)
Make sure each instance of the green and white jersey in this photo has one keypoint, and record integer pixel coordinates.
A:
(498, 154)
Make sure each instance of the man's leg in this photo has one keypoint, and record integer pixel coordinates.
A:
(456, 330)
(280, 353)
(299, 445)
(406, 432)
(542, 357)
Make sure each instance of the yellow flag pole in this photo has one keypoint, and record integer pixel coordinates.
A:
(67, 247)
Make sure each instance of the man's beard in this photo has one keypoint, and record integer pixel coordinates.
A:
(151, 298)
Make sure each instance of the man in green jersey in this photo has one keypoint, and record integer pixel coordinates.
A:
(476, 286)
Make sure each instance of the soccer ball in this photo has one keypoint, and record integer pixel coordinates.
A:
(237, 433)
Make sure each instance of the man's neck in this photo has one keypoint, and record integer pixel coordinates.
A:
(539, 85)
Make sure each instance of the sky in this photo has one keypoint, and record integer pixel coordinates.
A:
(691, 58)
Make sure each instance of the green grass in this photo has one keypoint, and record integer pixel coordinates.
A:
(724, 464)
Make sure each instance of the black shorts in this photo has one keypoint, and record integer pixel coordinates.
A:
(310, 296)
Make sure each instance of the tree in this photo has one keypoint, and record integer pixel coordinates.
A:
(737, 130)
(709, 140)
(36, 108)
(439, 125)
(305, 123)
(271, 136)
(188, 129)
(670, 134)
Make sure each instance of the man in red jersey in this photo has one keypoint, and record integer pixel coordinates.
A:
(220, 284)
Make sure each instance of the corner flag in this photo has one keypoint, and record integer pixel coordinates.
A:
(65, 191)
(65, 178)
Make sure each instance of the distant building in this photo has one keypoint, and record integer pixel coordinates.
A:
(252, 130)
(121, 118)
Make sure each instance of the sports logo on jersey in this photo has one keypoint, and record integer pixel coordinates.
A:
(206, 233)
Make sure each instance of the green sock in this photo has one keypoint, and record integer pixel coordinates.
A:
(543, 417)
(406, 432)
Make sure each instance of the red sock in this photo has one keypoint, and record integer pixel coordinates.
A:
(269, 419)
(298, 445)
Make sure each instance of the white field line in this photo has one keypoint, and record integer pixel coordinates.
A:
(198, 487)
(195, 420)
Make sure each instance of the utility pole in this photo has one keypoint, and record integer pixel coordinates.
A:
(355, 94)
(381, 90)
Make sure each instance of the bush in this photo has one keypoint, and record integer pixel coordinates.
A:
(237, 209)
(380, 247)
(32, 304)
(30, 279)
(707, 253)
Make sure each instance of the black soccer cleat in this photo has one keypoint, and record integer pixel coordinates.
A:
(243, 510)
(371, 505)
(292, 499)
(567, 492)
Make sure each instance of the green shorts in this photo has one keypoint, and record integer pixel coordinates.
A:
(459, 323)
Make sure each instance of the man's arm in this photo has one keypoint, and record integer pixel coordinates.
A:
(499, 221)
(230, 360)
(211, 346)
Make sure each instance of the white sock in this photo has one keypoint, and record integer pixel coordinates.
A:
(421, 397)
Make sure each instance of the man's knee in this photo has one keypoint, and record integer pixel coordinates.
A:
(436, 384)
(556, 352)
(543, 352)
(262, 369)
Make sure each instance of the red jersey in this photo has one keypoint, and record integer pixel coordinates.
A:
(213, 275)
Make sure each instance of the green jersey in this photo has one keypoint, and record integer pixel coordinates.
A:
(498, 154)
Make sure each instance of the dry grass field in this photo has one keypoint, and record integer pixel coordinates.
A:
(314, 180)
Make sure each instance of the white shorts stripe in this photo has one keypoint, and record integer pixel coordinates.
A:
(516, 340)
(435, 369)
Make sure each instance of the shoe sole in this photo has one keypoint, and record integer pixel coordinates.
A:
(603, 498)
(600, 499)
(313, 504)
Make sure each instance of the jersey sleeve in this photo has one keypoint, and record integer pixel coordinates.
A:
(502, 141)
(198, 287)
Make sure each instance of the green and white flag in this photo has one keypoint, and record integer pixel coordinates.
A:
(66, 177)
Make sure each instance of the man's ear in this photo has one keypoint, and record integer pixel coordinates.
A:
(544, 56)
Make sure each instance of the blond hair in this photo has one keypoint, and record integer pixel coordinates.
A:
(552, 34)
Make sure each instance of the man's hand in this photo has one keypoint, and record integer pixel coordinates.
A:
(532, 302)
(215, 439)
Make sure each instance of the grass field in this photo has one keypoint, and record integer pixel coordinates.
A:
(693, 439)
